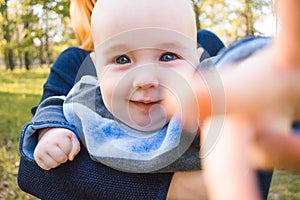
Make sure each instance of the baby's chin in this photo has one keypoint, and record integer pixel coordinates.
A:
(144, 119)
(147, 124)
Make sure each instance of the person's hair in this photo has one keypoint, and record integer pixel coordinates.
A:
(80, 13)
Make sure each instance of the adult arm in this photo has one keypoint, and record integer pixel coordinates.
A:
(63, 73)
(85, 179)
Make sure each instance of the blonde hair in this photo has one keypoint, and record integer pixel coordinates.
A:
(80, 13)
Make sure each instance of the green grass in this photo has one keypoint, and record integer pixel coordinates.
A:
(21, 90)
(285, 185)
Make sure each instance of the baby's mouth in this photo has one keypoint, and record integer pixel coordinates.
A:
(145, 105)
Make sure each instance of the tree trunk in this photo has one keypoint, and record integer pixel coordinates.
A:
(197, 10)
(10, 59)
(249, 18)
(26, 53)
(27, 60)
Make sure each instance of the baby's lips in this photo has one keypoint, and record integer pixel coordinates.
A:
(146, 100)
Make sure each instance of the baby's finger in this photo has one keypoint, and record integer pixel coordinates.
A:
(46, 162)
(75, 147)
(65, 142)
(287, 45)
(41, 164)
(58, 154)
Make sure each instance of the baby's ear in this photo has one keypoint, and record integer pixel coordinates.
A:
(93, 57)
(200, 51)
(202, 54)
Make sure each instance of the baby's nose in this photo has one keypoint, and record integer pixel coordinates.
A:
(146, 77)
(145, 84)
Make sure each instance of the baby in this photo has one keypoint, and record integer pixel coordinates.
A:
(145, 57)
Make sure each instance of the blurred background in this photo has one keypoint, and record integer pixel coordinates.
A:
(34, 32)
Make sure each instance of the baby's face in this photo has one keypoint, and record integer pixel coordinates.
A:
(143, 64)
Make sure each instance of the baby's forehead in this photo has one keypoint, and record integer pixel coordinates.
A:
(112, 17)
(149, 38)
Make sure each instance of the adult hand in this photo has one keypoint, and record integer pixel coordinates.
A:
(265, 90)
(262, 96)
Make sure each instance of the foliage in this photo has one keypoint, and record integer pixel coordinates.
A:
(34, 32)
(30, 30)
(231, 19)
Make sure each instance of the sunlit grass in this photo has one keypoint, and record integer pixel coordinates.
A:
(23, 82)
(19, 91)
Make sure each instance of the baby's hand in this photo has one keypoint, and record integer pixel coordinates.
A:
(55, 146)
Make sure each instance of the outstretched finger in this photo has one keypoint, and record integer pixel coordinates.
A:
(277, 150)
(228, 173)
(287, 44)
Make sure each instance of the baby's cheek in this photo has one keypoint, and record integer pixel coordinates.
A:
(106, 94)
(171, 104)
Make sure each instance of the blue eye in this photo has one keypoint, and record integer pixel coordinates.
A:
(167, 57)
(122, 60)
